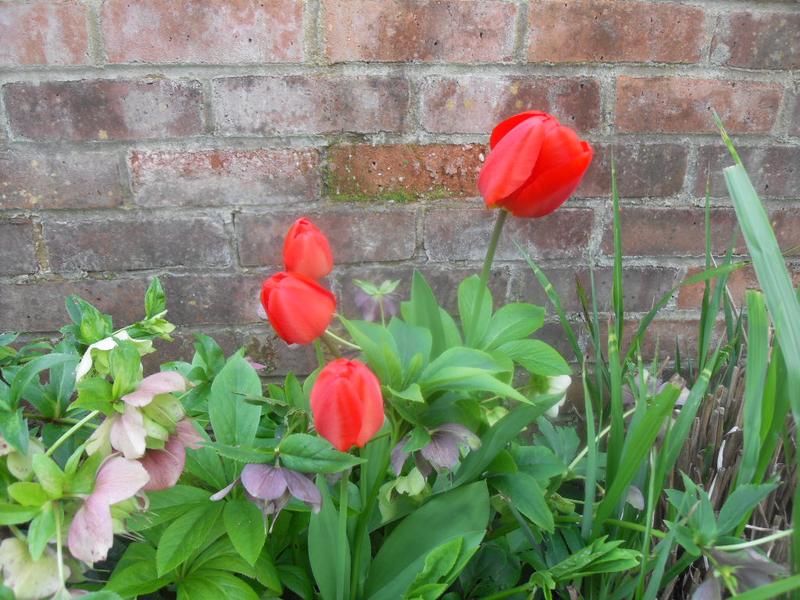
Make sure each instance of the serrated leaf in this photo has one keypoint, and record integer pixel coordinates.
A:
(312, 454)
(246, 529)
(185, 535)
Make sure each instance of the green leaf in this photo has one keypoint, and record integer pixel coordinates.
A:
(14, 514)
(49, 475)
(524, 493)
(41, 530)
(27, 373)
(536, 357)
(296, 579)
(214, 585)
(771, 590)
(167, 505)
(209, 354)
(28, 493)
(185, 535)
(498, 436)
(14, 429)
(245, 525)
(257, 455)
(379, 349)
(327, 549)
(512, 322)
(95, 393)
(413, 347)
(743, 500)
(423, 311)
(469, 379)
(125, 365)
(155, 301)
(474, 331)
(234, 420)
(312, 454)
(462, 512)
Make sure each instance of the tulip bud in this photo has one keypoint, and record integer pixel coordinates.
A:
(298, 308)
(534, 166)
(347, 404)
(306, 250)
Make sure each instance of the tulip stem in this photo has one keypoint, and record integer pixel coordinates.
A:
(341, 340)
(70, 431)
(502, 215)
(319, 353)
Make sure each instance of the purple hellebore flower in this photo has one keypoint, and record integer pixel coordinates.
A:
(275, 486)
(441, 453)
(370, 305)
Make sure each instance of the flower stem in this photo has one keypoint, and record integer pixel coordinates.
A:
(319, 353)
(765, 540)
(502, 215)
(71, 431)
(59, 549)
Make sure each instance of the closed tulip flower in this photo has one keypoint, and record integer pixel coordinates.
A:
(347, 404)
(298, 307)
(535, 164)
(306, 250)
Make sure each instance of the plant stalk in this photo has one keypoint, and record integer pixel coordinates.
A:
(68, 434)
(502, 215)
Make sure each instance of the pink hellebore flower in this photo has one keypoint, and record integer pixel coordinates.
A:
(165, 466)
(91, 534)
(128, 433)
(441, 453)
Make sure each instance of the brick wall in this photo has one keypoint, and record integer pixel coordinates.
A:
(180, 137)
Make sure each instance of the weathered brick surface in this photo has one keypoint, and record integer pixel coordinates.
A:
(406, 30)
(39, 306)
(198, 31)
(615, 30)
(136, 242)
(212, 299)
(759, 41)
(673, 105)
(643, 170)
(105, 109)
(42, 32)
(681, 231)
(775, 171)
(463, 234)
(643, 286)
(794, 125)
(355, 235)
(691, 296)
(475, 104)
(224, 177)
(298, 104)
(17, 255)
(47, 178)
(404, 171)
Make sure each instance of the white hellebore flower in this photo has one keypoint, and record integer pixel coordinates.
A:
(557, 385)
(105, 344)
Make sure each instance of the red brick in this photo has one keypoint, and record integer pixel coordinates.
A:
(774, 171)
(42, 32)
(650, 231)
(105, 109)
(681, 231)
(404, 171)
(225, 177)
(475, 103)
(665, 334)
(48, 178)
(758, 41)
(643, 286)
(297, 104)
(136, 242)
(794, 126)
(39, 306)
(643, 170)
(213, 299)
(17, 255)
(461, 31)
(198, 31)
(615, 31)
(356, 235)
(670, 105)
(463, 234)
(691, 296)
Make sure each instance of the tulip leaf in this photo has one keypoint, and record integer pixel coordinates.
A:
(328, 548)
(235, 421)
(379, 348)
(459, 513)
(312, 454)
(424, 311)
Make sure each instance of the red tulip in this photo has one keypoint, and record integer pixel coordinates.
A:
(298, 307)
(347, 404)
(306, 250)
(534, 166)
